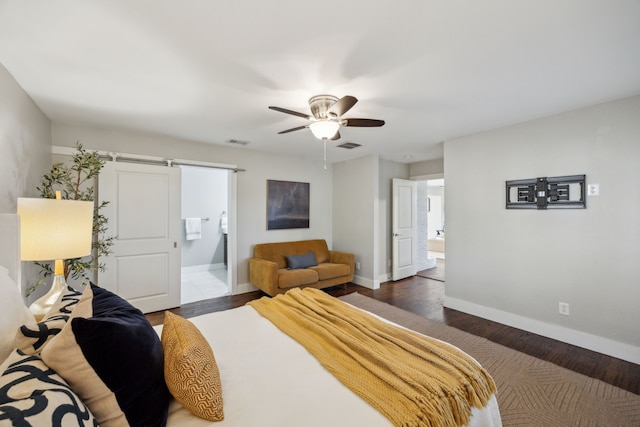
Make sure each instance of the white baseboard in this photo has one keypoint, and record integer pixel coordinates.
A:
(243, 288)
(203, 267)
(367, 283)
(596, 343)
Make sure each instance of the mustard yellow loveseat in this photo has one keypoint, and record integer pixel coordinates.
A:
(274, 269)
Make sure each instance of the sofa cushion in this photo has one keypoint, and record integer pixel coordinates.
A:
(293, 278)
(329, 270)
(301, 261)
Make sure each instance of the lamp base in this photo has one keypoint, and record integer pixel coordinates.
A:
(42, 305)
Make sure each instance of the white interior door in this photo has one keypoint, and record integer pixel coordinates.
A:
(144, 215)
(404, 228)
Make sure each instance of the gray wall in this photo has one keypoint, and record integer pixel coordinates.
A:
(355, 215)
(25, 144)
(428, 167)
(515, 266)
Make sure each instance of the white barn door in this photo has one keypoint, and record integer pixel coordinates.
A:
(404, 228)
(144, 215)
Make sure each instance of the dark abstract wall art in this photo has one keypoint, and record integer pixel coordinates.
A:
(287, 205)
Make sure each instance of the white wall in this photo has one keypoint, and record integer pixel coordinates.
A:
(251, 184)
(514, 266)
(25, 144)
(204, 195)
(355, 215)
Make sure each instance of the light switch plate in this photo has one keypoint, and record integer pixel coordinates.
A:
(593, 190)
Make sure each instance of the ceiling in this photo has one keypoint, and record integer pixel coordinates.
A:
(206, 70)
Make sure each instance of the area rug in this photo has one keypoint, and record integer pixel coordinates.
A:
(435, 273)
(531, 391)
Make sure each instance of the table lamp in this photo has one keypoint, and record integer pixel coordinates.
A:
(54, 229)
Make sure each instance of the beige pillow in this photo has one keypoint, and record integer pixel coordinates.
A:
(190, 368)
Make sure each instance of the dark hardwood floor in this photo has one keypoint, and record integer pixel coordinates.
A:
(425, 297)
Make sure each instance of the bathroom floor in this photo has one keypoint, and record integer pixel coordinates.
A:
(201, 285)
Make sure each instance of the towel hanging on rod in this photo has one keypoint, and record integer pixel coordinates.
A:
(223, 222)
(193, 228)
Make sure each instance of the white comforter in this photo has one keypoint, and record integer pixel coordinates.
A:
(268, 379)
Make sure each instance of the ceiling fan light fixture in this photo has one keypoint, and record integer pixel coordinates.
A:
(324, 129)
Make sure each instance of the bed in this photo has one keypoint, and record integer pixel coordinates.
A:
(266, 377)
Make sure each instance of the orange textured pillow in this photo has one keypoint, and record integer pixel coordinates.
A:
(190, 368)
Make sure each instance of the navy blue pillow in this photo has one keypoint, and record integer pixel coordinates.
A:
(301, 261)
(114, 342)
(128, 357)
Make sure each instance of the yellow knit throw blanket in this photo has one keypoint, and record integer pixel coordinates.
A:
(411, 379)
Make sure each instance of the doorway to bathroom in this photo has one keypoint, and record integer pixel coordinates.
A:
(431, 237)
(205, 206)
(435, 218)
(435, 229)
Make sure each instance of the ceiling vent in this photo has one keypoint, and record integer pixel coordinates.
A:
(349, 145)
(236, 142)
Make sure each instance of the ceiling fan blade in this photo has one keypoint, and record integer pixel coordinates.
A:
(363, 123)
(336, 136)
(293, 129)
(342, 105)
(294, 113)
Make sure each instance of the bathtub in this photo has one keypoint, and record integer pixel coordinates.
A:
(435, 245)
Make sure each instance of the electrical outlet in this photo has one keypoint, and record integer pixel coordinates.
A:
(563, 308)
(357, 265)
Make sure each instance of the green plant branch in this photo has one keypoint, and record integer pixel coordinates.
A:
(74, 181)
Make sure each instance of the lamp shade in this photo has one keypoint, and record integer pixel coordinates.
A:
(324, 129)
(53, 229)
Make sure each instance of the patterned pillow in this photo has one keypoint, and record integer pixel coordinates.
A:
(32, 394)
(112, 358)
(32, 337)
(190, 368)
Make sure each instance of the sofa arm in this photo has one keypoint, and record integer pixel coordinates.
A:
(263, 274)
(348, 258)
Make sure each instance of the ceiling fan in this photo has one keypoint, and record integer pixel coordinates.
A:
(327, 111)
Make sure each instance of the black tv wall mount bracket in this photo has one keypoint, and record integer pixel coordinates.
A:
(559, 192)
